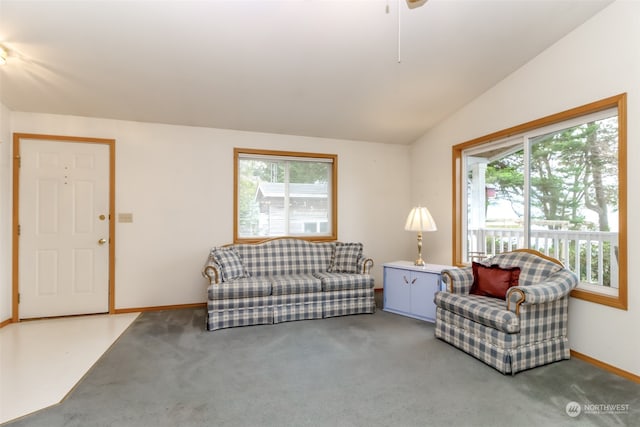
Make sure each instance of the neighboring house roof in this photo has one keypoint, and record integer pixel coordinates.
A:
(276, 190)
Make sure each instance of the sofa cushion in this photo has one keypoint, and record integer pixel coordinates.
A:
(295, 284)
(344, 281)
(491, 312)
(231, 265)
(345, 258)
(493, 281)
(247, 287)
(455, 326)
(285, 256)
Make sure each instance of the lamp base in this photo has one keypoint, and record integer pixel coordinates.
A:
(419, 261)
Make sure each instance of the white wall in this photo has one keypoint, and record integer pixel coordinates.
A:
(599, 59)
(5, 213)
(178, 183)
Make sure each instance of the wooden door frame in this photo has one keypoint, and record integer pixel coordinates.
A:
(111, 143)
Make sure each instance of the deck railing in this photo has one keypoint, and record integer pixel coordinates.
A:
(592, 255)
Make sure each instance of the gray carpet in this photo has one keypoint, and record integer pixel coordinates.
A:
(366, 370)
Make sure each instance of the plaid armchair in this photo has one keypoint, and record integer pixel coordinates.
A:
(526, 329)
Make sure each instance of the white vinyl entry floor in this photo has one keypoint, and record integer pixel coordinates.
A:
(42, 360)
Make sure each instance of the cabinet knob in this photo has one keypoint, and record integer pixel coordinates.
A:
(405, 279)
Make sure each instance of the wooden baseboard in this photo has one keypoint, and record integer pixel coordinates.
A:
(129, 310)
(606, 366)
(159, 308)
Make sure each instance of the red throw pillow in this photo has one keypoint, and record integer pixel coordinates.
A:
(493, 281)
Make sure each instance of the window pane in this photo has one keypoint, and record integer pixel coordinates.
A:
(308, 197)
(574, 199)
(280, 197)
(495, 201)
(257, 209)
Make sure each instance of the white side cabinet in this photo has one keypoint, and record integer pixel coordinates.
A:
(409, 289)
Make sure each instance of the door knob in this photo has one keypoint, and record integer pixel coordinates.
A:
(102, 241)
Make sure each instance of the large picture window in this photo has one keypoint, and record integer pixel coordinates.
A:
(557, 185)
(282, 194)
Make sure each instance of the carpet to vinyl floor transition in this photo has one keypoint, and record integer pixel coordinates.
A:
(42, 360)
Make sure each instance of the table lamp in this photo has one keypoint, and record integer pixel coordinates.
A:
(420, 220)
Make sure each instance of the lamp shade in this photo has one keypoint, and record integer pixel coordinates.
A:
(420, 219)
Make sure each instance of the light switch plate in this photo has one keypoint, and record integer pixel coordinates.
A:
(125, 217)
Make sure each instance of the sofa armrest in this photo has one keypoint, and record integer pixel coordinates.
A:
(458, 280)
(555, 287)
(211, 271)
(365, 264)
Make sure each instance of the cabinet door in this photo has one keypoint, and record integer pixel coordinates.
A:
(423, 288)
(397, 291)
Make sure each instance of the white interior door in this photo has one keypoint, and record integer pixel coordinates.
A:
(64, 228)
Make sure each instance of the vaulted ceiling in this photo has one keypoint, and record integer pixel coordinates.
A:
(372, 70)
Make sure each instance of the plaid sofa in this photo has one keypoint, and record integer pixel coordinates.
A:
(288, 279)
(527, 329)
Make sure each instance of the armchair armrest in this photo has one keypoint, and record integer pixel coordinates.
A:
(211, 270)
(365, 264)
(458, 280)
(555, 287)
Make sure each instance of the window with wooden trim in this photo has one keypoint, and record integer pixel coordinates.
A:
(284, 194)
(557, 185)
